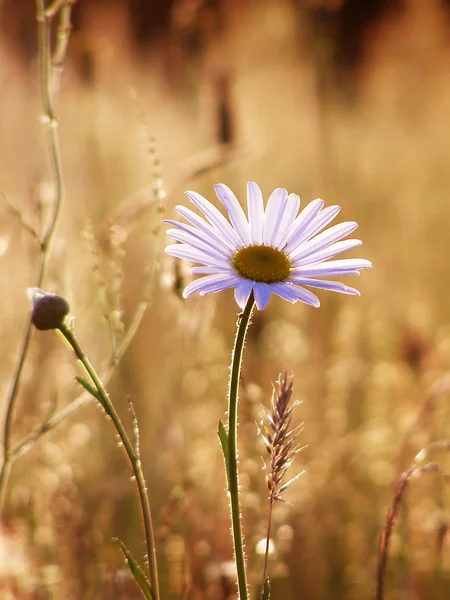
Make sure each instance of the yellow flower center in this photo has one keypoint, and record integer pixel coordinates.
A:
(262, 263)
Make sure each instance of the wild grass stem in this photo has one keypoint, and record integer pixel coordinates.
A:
(49, 92)
(393, 512)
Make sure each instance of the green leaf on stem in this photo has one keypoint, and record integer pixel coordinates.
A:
(265, 594)
(136, 571)
(89, 388)
(223, 437)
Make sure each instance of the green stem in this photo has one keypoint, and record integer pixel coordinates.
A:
(233, 475)
(269, 529)
(131, 452)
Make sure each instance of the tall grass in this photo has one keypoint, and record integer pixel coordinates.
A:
(365, 368)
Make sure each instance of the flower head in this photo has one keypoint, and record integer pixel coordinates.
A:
(276, 249)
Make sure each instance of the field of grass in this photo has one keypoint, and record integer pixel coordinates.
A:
(247, 93)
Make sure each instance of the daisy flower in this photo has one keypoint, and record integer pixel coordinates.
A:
(279, 249)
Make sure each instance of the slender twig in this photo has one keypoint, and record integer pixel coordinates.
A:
(19, 216)
(132, 452)
(54, 8)
(49, 118)
(233, 475)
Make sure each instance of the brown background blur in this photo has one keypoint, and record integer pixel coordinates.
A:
(345, 100)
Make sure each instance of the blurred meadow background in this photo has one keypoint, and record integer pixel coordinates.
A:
(347, 100)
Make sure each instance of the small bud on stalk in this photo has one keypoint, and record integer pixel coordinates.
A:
(49, 310)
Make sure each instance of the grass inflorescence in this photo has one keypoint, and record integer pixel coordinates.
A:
(280, 440)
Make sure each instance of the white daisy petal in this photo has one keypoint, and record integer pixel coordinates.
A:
(255, 206)
(323, 218)
(202, 228)
(331, 286)
(262, 294)
(287, 218)
(187, 253)
(223, 282)
(209, 285)
(348, 266)
(212, 270)
(285, 291)
(216, 218)
(324, 239)
(301, 222)
(275, 250)
(320, 221)
(274, 215)
(242, 292)
(195, 241)
(205, 227)
(327, 252)
(235, 212)
(307, 297)
(294, 293)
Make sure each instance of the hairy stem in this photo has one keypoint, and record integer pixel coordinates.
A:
(131, 452)
(233, 474)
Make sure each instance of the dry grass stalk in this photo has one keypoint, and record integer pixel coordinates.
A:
(392, 515)
(281, 444)
(385, 539)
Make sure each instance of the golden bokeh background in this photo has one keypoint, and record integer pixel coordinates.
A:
(327, 99)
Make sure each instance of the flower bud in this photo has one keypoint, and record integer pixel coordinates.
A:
(49, 310)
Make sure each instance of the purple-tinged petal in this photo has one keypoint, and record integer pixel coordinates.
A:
(285, 291)
(205, 227)
(242, 292)
(212, 240)
(331, 286)
(262, 294)
(273, 215)
(212, 270)
(324, 239)
(216, 218)
(294, 293)
(209, 237)
(316, 225)
(287, 218)
(210, 285)
(255, 206)
(297, 228)
(187, 253)
(223, 282)
(326, 253)
(346, 266)
(235, 212)
(196, 241)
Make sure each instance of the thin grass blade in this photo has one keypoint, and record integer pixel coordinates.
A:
(265, 594)
(89, 388)
(136, 571)
(223, 437)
